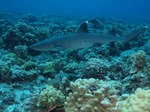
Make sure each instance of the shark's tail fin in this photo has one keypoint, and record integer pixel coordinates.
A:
(133, 35)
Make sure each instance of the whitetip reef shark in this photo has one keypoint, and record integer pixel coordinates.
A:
(81, 39)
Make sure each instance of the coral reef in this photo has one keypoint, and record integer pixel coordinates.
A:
(138, 70)
(138, 61)
(4, 70)
(21, 51)
(48, 68)
(24, 34)
(138, 102)
(92, 95)
(96, 67)
(96, 79)
(14, 68)
(51, 97)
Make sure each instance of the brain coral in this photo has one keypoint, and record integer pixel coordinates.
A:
(92, 95)
(138, 102)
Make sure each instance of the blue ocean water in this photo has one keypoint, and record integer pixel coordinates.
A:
(129, 9)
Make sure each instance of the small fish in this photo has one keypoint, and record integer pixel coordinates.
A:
(81, 39)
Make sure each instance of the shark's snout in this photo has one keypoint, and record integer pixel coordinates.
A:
(34, 47)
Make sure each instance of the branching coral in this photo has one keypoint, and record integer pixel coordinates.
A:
(92, 95)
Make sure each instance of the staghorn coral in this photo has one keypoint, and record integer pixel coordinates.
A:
(51, 97)
(92, 95)
(138, 102)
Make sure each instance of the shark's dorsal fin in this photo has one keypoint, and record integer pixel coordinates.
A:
(83, 28)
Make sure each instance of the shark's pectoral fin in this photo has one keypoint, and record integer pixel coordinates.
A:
(83, 28)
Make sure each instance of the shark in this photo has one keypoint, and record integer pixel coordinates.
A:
(82, 39)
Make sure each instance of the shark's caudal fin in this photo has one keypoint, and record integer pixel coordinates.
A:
(133, 35)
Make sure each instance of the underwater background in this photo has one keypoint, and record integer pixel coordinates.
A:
(138, 9)
(109, 76)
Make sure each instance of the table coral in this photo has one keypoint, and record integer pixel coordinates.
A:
(92, 95)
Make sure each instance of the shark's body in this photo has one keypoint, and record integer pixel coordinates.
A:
(81, 39)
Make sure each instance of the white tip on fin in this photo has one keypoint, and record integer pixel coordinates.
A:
(83, 28)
